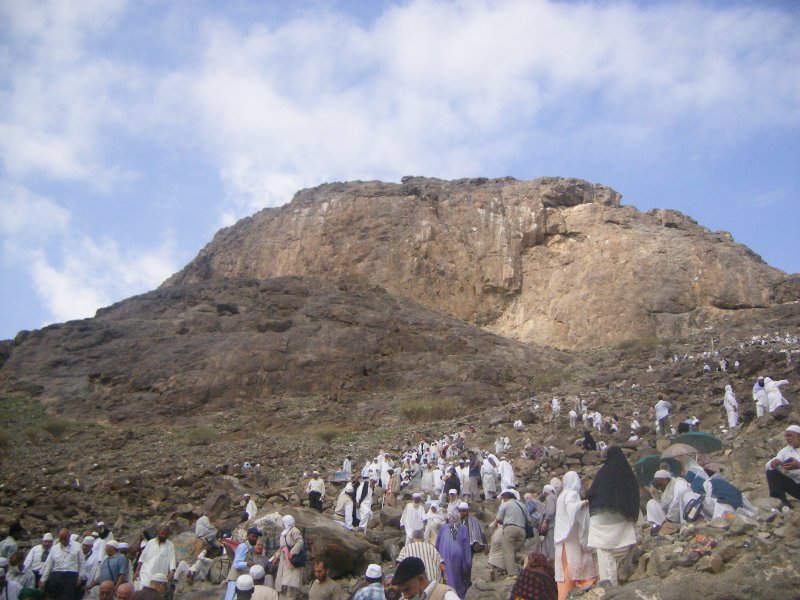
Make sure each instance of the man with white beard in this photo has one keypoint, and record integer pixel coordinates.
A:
(413, 517)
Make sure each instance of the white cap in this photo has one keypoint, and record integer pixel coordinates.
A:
(88, 540)
(100, 524)
(315, 472)
(113, 543)
(793, 428)
(463, 506)
(47, 537)
(662, 474)
(158, 578)
(246, 495)
(257, 572)
(123, 546)
(244, 583)
(416, 496)
(452, 491)
(374, 572)
(95, 534)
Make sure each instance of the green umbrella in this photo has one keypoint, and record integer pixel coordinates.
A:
(646, 467)
(704, 442)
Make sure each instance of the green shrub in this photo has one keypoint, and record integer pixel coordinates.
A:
(199, 435)
(327, 433)
(57, 426)
(418, 411)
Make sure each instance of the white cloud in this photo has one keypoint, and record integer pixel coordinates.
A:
(440, 88)
(59, 97)
(93, 274)
(28, 216)
(454, 88)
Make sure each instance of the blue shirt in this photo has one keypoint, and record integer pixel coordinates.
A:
(374, 591)
(112, 567)
(240, 557)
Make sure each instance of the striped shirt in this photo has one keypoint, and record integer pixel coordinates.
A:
(428, 554)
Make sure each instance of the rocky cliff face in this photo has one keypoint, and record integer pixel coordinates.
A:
(556, 262)
(194, 348)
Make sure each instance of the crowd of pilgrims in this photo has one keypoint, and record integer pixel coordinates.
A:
(573, 537)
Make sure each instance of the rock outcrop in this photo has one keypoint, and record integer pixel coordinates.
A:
(189, 349)
(556, 262)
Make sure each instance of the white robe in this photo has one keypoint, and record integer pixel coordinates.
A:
(413, 519)
(731, 407)
(251, 509)
(762, 402)
(671, 504)
(426, 483)
(156, 558)
(488, 479)
(506, 475)
(571, 532)
(774, 397)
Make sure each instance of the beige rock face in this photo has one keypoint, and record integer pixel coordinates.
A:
(552, 261)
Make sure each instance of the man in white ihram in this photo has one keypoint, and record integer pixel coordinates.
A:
(413, 517)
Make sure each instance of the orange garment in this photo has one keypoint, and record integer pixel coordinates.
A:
(566, 586)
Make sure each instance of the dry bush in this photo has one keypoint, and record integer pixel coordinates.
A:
(547, 381)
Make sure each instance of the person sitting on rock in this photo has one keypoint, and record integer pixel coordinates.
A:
(670, 495)
(588, 441)
(783, 471)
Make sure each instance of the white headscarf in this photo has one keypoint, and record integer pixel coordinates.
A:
(557, 485)
(569, 507)
(288, 523)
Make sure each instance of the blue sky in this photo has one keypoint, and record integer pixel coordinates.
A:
(131, 131)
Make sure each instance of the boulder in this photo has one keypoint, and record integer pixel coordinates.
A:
(345, 552)
(390, 516)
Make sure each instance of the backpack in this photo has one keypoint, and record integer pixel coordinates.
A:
(693, 509)
(300, 559)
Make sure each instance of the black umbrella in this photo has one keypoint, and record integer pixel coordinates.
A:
(646, 467)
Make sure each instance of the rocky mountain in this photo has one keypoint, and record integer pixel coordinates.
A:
(193, 348)
(365, 316)
(556, 262)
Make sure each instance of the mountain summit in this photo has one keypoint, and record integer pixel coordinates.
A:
(556, 262)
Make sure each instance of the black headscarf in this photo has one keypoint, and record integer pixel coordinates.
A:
(615, 488)
(588, 441)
